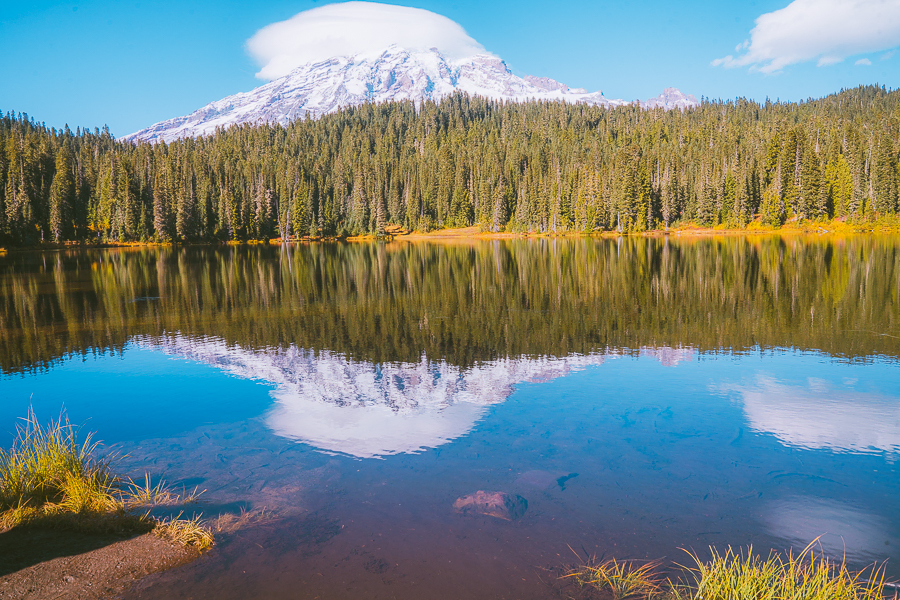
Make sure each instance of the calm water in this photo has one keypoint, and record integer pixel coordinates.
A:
(643, 395)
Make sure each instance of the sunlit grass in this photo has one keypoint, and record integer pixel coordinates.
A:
(188, 532)
(49, 469)
(806, 576)
(51, 479)
(625, 579)
(740, 575)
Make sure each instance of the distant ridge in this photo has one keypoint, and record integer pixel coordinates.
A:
(320, 88)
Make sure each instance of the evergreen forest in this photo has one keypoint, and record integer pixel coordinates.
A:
(524, 167)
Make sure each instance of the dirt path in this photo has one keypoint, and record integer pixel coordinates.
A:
(51, 564)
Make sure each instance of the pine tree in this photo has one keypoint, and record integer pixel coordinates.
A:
(498, 218)
(62, 196)
(162, 208)
(839, 186)
(885, 177)
(524, 167)
(811, 196)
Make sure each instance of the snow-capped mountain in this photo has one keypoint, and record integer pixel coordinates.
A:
(671, 98)
(319, 88)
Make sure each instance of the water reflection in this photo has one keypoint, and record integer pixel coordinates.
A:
(463, 303)
(842, 529)
(821, 415)
(366, 409)
(669, 357)
(384, 350)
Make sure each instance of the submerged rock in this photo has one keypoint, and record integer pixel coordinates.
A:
(543, 479)
(494, 504)
(561, 481)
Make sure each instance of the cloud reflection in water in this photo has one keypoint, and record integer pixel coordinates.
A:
(820, 416)
(842, 530)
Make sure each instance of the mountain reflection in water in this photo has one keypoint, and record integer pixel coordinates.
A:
(366, 410)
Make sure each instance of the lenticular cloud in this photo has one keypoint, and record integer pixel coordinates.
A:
(353, 28)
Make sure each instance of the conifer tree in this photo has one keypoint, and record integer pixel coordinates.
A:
(62, 196)
(885, 177)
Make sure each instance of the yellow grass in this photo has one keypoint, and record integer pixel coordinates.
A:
(806, 576)
(740, 575)
(51, 479)
(188, 532)
(625, 579)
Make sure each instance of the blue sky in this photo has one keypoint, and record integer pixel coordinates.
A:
(129, 64)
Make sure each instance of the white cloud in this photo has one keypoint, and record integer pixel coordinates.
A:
(352, 28)
(827, 31)
(863, 62)
(888, 55)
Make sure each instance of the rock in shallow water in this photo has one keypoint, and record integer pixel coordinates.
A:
(544, 480)
(494, 504)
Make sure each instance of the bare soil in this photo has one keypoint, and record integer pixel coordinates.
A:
(38, 564)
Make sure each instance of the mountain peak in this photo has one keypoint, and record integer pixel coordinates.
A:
(671, 98)
(391, 74)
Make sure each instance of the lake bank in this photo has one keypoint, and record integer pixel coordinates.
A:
(37, 564)
(72, 527)
(477, 232)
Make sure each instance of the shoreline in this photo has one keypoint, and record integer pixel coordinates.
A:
(474, 232)
(41, 563)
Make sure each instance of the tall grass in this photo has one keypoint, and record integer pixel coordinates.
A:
(622, 580)
(739, 575)
(48, 467)
(806, 576)
(51, 479)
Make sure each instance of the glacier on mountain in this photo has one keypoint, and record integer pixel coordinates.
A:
(395, 74)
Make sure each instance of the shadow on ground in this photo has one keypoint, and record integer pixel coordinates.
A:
(22, 547)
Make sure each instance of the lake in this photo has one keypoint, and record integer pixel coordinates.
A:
(643, 395)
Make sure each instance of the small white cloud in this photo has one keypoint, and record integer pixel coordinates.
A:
(829, 60)
(827, 31)
(888, 55)
(353, 28)
(864, 62)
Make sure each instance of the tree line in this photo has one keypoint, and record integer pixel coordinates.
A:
(535, 166)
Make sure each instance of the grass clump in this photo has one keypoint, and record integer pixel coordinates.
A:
(160, 494)
(51, 479)
(622, 580)
(230, 522)
(806, 576)
(49, 472)
(738, 575)
(188, 532)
